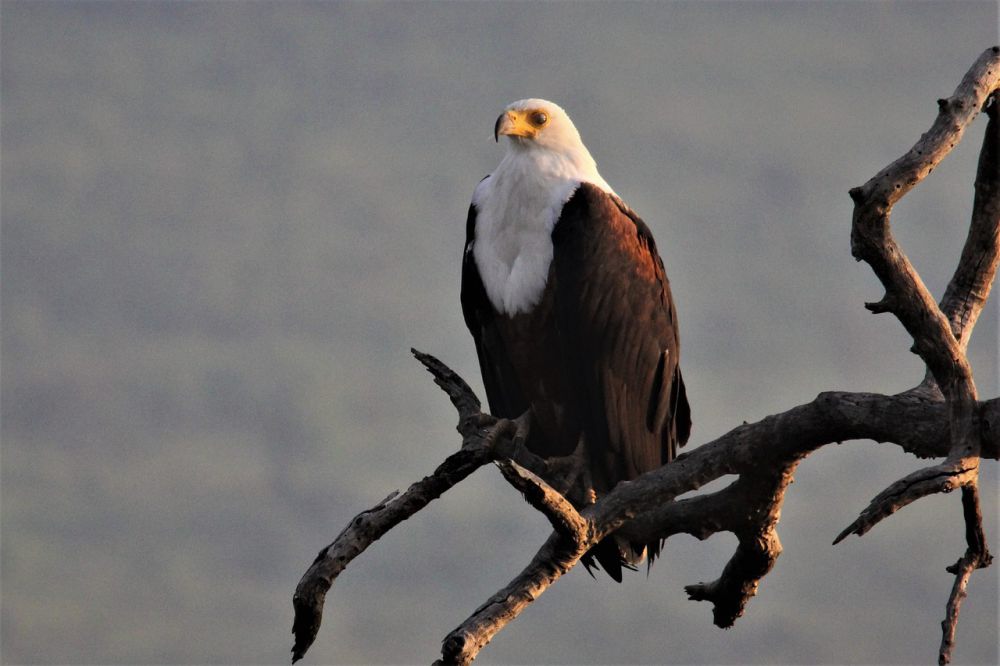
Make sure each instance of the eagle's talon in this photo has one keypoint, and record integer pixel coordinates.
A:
(522, 428)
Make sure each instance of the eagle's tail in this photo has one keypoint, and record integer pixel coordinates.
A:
(614, 554)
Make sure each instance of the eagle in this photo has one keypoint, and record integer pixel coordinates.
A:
(569, 305)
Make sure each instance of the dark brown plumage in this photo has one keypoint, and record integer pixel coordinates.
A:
(597, 358)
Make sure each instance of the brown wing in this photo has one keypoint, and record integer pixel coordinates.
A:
(597, 356)
(619, 327)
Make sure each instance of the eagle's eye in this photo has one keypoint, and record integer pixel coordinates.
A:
(539, 118)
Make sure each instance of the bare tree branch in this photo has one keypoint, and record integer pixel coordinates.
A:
(977, 556)
(565, 519)
(940, 335)
(970, 285)
(942, 478)
(941, 418)
(368, 526)
(871, 239)
(759, 545)
(556, 557)
(479, 446)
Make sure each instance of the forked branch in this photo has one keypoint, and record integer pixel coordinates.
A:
(941, 418)
(940, 334)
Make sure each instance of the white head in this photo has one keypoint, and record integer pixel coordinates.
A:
(538, 123)
(542, 134)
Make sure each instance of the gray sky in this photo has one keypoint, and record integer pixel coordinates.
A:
(225, 224)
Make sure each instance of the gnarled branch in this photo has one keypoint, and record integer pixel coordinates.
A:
(941, 418)
(940, 334)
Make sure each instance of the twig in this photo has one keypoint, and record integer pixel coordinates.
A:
(942, 478)
(977, 556)
(480, 446)
(556, 557)
(565, 519)
(367, 527)
(871, 240)
(970, 286)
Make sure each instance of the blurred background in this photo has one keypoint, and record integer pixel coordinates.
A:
(225, 224)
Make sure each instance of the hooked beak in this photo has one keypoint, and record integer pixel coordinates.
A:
(513, 123)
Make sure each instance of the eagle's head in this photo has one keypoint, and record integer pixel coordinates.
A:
(538, 123)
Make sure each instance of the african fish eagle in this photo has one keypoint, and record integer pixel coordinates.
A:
(570, 308)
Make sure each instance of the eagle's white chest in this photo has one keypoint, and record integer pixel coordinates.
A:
(512, 248)
(517, 207)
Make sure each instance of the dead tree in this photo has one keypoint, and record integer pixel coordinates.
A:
(940, 418)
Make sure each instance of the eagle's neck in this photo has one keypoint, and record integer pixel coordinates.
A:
(516, 208)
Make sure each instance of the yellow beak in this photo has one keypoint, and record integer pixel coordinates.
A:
(513, 123)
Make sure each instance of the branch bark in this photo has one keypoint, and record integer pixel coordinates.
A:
(941, 418)
(940, 334)
(480, 445)
(977, 556)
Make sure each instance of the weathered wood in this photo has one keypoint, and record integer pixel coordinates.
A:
(367, 527)
(940, 333)
(941, 418)
(977, 556)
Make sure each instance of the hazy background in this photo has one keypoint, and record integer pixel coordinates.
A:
(225, 224)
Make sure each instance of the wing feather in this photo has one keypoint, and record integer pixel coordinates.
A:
(503, 389)
(597, 358)
(614, 308)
